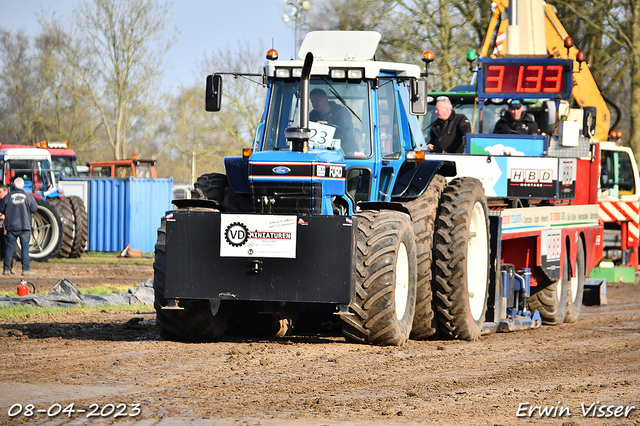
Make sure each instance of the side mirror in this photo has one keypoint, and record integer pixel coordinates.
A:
(419, 96)
(213, 99)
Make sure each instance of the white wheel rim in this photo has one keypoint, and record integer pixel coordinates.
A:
(44, 233)
(402, 281)
(477, 261)
(559, 289)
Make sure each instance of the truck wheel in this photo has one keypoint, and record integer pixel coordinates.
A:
(81, 226)
(385, 279)
(423, 215)
(576, 288)
(210, 186)
(46, 232)
(462, 259)
(551, 301)
(63, 206)
(195, 322)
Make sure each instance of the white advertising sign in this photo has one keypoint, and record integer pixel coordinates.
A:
(257, 236)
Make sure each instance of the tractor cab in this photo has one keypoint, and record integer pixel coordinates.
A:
(33, 165)
(359, 119)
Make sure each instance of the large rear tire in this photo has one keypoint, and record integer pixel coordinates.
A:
(385, 299)
(63, 206)
(576, 287)
(46, 232)
(423, 214)
(81, 226)
(210, 186)
(462, 259)
(551, 301)
(195, 322)
(215, 186)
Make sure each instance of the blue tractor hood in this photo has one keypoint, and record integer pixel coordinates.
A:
(312, 166)
(314, 155)
(294, 179)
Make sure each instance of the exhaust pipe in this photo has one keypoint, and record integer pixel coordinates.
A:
(299, 136)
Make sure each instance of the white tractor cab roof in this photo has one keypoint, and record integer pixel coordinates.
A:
(346, 51)
(25, 154)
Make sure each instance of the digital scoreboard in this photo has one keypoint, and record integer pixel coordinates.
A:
(525, 78)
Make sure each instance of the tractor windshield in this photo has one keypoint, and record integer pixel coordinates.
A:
(37, 174)
(338, 117)
(64, 166)
(616, 172)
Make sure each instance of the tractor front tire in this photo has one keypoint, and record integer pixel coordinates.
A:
(386, 271)
(423, 214)
(81, 226)
(195, 322)
(46, 232)
(462, 259)
(63, 206)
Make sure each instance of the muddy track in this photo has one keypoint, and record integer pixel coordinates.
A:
(47, 274)
(109, 357)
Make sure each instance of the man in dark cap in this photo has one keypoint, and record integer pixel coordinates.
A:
(516, 121)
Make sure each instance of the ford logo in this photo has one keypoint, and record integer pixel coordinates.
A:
(281, 170)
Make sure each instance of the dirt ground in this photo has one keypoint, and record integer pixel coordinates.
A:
(107, 357)
(117, 272)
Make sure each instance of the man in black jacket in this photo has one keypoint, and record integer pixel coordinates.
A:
(17, 208)
(449, 131)
(516, 121)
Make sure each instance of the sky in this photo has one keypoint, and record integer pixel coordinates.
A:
(203, 26)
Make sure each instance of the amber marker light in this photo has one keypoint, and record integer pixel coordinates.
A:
(272, 54)
(415, 156)
(568, 42)
(246, 153)
(428, 57)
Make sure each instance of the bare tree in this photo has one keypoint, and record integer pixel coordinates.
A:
(18, 91)
(186, 128)
(117, 52)
(409, 27)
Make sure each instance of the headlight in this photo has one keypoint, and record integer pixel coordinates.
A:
(354, 74)
(338, 74)
(283, 72)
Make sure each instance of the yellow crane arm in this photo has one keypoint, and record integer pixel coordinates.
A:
(585, 89)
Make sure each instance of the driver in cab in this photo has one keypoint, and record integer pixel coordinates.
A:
(325, 112)
(516, 121)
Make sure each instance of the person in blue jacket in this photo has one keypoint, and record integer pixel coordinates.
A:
(17, 208)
